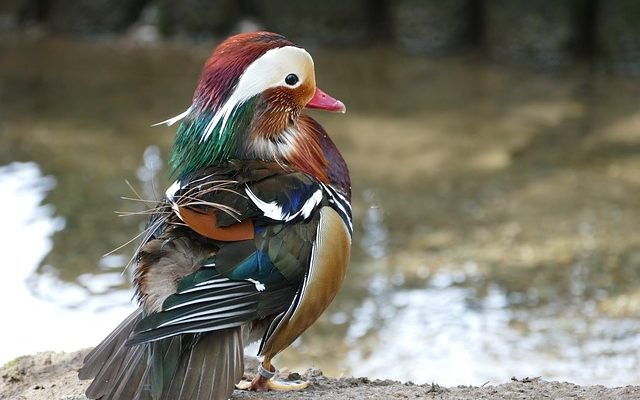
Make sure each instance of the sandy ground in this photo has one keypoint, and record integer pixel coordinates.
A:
(53, 376)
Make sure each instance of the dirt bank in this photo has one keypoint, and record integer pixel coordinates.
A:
(52, 376)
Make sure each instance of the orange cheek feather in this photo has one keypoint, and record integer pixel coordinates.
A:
(304, 93)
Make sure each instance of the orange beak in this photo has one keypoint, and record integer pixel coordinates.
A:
(323, 101)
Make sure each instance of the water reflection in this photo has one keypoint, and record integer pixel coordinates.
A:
(374, 232)
(148, 173)
(497, 209)
(445, 330)
(36, 303)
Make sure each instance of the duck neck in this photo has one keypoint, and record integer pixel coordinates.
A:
(205, 137)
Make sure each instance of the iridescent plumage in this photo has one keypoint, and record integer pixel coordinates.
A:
(252, 240)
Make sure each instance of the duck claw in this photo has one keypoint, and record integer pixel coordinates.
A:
(261, 384)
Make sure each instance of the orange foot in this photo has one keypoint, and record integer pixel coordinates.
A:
(262, 384)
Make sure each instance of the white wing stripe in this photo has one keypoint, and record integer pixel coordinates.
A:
(207, 287)
(273, 211)
(210, 314)
(202, 300)
(173, 189)
(311, 204)
(215, 280)
(341, 202)
(208, 329)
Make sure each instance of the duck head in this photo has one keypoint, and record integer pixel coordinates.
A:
(249, 105)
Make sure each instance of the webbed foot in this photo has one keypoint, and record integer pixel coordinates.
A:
(264, 382)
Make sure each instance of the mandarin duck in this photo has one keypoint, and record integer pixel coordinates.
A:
(251, 242)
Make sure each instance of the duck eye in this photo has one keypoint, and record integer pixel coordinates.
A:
(291, 79)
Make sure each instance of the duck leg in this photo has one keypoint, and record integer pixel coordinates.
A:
(264, 381)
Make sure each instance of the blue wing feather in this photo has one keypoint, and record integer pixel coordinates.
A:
(257, 266)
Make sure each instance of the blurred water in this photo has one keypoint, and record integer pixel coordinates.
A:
(42, 310)
(496, 209)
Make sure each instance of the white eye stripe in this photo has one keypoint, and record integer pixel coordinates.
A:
(268, 71)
